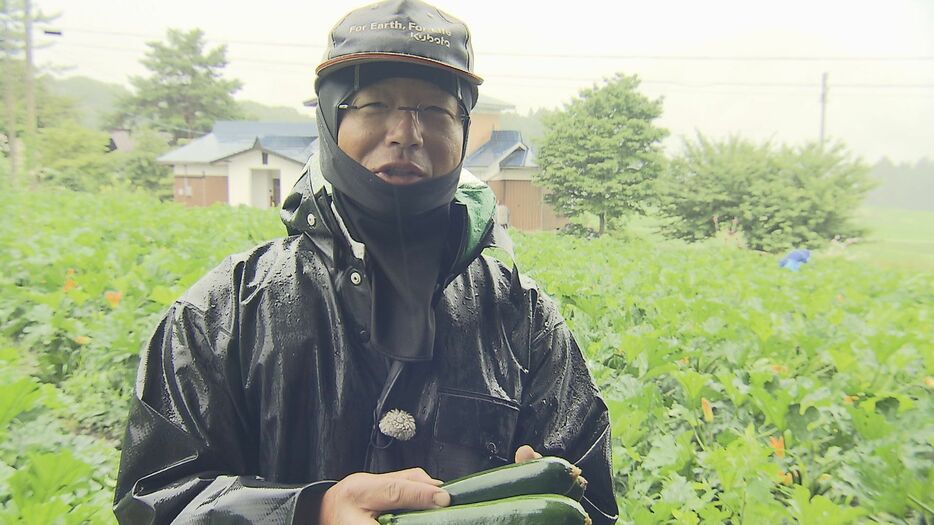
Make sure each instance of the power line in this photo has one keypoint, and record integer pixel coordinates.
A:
(572, 56)
(724, 58)
(703, 84)
(308, 65)
(223, 41)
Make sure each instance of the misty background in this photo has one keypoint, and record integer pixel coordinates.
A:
(723, 67)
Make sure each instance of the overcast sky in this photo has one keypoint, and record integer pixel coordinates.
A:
(878, 55)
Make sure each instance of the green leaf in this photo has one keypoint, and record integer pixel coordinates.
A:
(163, 295)
(692, 382)
(16, 398)
(868, 423)
(46, 475)
(819, 510)
(774, 405)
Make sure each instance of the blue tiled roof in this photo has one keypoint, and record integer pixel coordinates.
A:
(289, 147)
(516, 159)
(288, 139)
(238, 129)
(504, 147)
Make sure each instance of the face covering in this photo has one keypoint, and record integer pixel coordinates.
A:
(405, 228)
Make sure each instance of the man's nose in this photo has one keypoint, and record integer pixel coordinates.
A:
(405, 129)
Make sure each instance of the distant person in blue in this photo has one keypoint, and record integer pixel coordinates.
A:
(795, 259)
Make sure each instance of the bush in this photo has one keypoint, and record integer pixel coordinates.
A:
(139, 168)
(778, 197)
(575, 229)
(75, 157)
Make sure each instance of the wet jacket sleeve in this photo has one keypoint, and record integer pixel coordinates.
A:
(187, 453)
(563, 413)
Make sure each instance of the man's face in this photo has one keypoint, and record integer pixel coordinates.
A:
(401, 147)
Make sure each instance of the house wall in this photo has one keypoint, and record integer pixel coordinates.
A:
(481, 129)
(200, 184)
(527, 207)
(498, 188)
(199, 190)
(551, 220)
(250, 179)
(199, 170)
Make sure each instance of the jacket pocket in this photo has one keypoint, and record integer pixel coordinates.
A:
(475, 430)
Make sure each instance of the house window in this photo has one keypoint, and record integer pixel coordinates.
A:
(265, 158)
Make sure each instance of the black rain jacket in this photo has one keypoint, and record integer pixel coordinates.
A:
(254, 395)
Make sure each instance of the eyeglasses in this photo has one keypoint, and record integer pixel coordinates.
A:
(428, 117)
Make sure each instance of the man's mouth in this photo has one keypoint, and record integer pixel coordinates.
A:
(400, 173)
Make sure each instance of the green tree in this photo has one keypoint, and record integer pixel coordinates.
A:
(139, 168)
(20, 86)
(602, 153)
(51, 109)
(779, 197)
(186, 92)
(75, 157)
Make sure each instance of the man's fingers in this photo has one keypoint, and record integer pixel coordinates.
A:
(393, 493)
(415, 474)
(525, 453)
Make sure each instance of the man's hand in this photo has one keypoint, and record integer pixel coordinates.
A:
(359, 498)
(525, 453)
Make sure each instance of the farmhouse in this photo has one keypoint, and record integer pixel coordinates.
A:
(242, 162)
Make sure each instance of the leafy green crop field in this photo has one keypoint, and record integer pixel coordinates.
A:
(739, 392)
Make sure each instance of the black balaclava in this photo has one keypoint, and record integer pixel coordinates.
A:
(405, 228)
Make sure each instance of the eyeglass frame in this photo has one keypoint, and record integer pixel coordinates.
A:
(462, 116)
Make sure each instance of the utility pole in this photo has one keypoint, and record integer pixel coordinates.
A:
(9, 97)
(30, 90)
(29, 81)
(823, 105)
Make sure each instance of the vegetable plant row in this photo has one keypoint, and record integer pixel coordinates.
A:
(739, 392)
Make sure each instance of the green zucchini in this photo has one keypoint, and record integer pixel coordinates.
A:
(546, 475)
(535, 509)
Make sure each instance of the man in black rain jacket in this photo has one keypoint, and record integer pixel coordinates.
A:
(321, 377)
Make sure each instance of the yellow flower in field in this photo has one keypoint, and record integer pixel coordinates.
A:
(785, 478)
(113, 298)
(708, 411)
(82, 339)
(929, 382)
(848, 400)
(70, 285)
(779, 369)
(778, 444)
(683, 361)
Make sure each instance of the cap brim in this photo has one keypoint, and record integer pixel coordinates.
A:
(362, 58)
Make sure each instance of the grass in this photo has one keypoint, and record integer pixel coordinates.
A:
(897, 239)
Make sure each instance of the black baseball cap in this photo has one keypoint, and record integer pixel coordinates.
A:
(407, 31)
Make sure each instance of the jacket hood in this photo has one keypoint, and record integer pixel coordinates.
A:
(312, 195)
